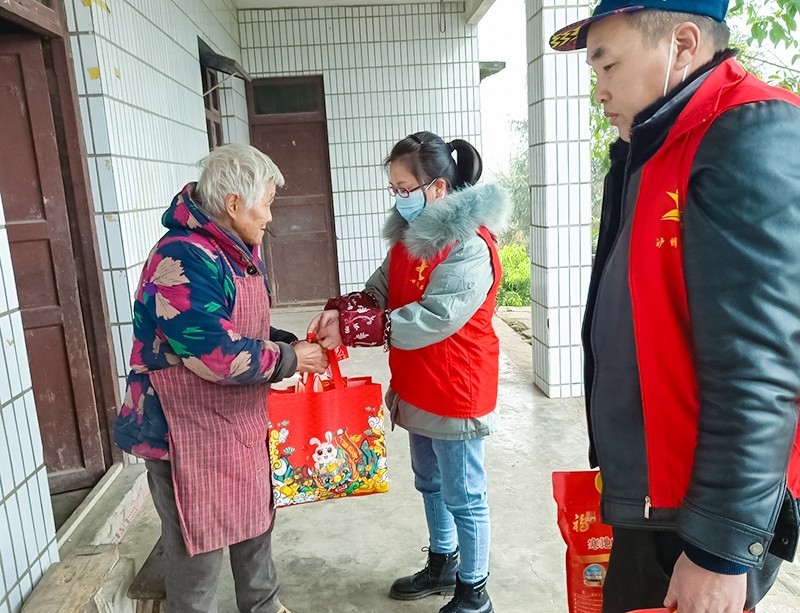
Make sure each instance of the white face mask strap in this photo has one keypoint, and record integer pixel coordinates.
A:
(685, 71)
(669, 64)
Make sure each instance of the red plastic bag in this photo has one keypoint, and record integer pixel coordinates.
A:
(589, 541)
(326, 439)
(662, 610)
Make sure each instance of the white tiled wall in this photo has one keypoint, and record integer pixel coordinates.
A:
(388, 71)
(559, 157)
(140, 94)
(27, 533)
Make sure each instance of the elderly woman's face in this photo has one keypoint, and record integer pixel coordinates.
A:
(250, 224)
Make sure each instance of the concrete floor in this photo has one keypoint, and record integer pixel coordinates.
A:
(342, 556)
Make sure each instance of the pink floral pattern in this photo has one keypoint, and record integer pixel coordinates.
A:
(163, 280)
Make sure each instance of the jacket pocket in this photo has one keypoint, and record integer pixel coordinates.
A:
(787, 529)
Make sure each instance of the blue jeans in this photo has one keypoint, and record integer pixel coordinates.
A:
(452, 480)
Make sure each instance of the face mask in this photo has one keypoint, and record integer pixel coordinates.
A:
(410, 208)
(669, 66)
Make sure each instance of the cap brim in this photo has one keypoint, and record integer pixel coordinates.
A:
(573, 36)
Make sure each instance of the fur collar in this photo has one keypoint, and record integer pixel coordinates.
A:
(453, 219)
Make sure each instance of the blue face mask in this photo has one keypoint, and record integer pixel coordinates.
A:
(410, 208)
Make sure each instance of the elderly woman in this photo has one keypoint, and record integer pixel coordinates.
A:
(203, 358)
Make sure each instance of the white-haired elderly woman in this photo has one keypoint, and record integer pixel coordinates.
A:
(203, 357)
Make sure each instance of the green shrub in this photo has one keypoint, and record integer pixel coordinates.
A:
(509, 298)
(515, 288)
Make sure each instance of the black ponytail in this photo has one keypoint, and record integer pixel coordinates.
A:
(468, 162)
(428, 157)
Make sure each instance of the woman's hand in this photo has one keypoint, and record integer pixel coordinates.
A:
(330, 337)
(326, 328)
(323, 320)
(311, 357)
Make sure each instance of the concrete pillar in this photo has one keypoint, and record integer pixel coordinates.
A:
(559, 163)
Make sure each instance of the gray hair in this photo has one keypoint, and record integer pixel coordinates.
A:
(655, 24)
(234, 169)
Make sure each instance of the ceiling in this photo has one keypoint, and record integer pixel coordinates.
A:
(474, 9)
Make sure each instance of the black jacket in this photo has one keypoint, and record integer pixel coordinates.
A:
(741, 239)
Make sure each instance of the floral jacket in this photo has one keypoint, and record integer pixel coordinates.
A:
(182, 313)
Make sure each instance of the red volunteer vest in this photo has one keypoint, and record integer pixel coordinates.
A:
(458, 376)
(670, 397)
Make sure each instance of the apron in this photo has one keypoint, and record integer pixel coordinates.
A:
(218, 439)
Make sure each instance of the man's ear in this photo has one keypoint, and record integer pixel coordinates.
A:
(690, 46)
(233, 204)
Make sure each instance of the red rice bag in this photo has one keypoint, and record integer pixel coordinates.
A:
(589, 541)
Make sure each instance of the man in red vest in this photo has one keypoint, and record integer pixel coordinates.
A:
(692, 326)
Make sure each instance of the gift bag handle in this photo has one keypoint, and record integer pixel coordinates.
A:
(333, 362)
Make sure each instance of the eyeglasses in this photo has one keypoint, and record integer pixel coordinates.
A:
(402, 192)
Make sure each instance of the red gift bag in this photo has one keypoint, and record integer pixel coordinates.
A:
(588, 541)
(662, 610)
(326, 439)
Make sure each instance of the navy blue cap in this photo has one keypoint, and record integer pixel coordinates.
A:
(574, 36)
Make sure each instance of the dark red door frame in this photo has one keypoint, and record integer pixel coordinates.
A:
(35, 16)
(49, 22)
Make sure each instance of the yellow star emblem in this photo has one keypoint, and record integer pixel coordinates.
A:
(674, 214)
(420, 269)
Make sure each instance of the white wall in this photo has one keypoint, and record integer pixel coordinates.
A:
(388, 71)
(140, 94)
(27, 532)
(559, 160)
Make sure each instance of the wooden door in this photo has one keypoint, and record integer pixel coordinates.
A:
(34, 203)
(300, 250)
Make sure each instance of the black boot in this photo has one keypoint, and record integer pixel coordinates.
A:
(438, 577)
(469, 598)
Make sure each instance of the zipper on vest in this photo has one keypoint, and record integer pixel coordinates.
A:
(647, 506)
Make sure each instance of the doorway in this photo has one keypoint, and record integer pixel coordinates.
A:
(287, 122)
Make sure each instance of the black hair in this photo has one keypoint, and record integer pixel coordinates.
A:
(654, 24)
(428, 157)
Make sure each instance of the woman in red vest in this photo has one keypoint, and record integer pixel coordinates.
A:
(431, 304)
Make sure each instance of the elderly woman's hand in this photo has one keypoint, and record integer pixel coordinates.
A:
(311, 357)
